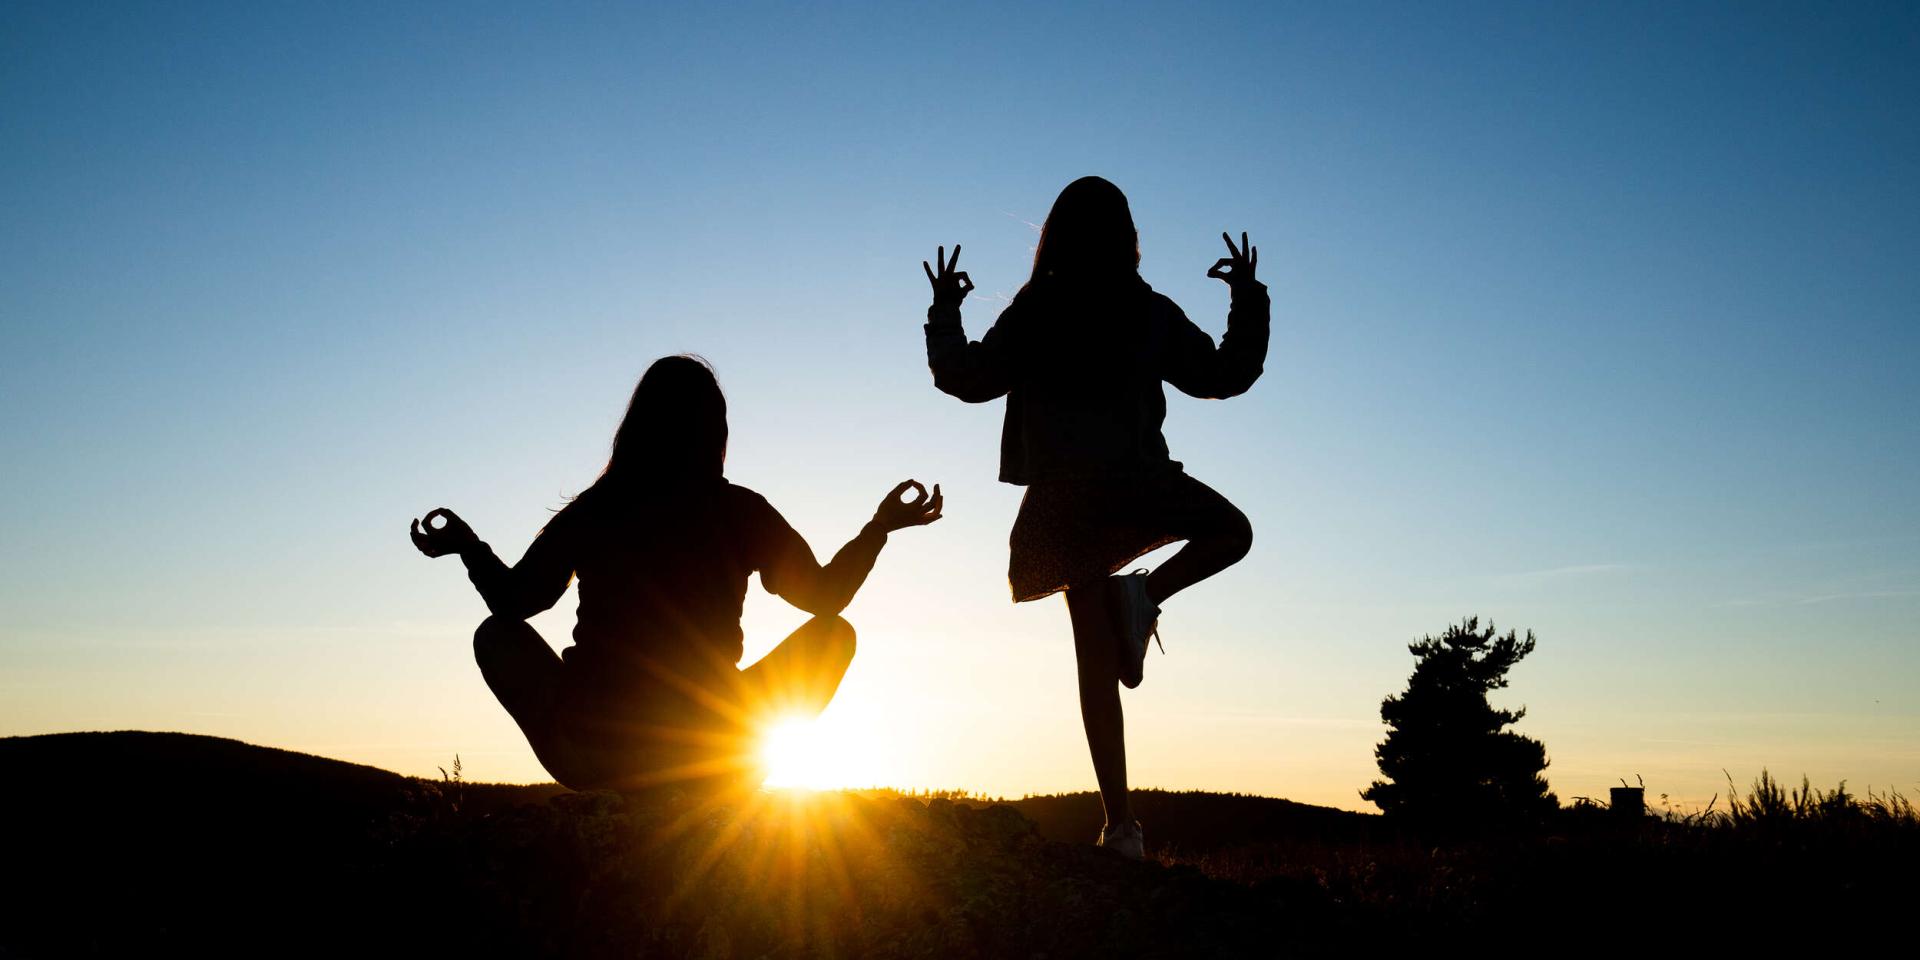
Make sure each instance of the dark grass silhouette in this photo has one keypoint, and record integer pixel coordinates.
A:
(161, 844)
(164, 842)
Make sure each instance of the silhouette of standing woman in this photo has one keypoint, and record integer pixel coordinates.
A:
(1080, 355)
(649, 693)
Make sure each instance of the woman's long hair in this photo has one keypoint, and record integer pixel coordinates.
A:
(675, 430)
(1089, 236)
(1073, 314)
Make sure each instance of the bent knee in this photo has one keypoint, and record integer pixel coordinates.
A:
(495, 632)
(1236, 533)
(836, 634)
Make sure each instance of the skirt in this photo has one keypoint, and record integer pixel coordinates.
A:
(1076, 531)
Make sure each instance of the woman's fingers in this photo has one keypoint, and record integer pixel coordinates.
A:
(924, 508)
(930, 510)
(1216, 272)
(1242, 253)
(945, 278)
(451, 532)
(423, 541)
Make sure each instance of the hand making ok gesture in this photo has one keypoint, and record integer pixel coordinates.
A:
(949, 285)
(897, 514)
(451, 536)
(1239, 266)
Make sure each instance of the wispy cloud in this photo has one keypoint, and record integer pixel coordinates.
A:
(1030, 224)
(1802, 601)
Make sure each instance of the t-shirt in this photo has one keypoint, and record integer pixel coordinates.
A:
(663, 574)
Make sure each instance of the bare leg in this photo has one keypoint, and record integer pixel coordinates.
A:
(524, 674)
(1219, 537)
(795, 680)
(1096, 654)
(800, 676)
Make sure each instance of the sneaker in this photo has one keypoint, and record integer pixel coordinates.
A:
(1135, 618)
(1125, 840)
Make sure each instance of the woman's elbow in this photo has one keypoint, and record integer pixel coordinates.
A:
(826, 609)
(515, 605)
(969, 391)
(951, 385)
(822, 603)
(1235, 383)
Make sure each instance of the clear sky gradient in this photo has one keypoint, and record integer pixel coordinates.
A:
(1597, 321)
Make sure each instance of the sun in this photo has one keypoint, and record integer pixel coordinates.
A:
(799, 754)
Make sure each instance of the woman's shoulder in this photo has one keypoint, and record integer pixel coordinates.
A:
(572, 516)
(1160, 303)
(752, 514)
(743, 500)
(599, 498)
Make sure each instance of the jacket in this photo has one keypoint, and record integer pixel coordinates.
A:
(1082, 372)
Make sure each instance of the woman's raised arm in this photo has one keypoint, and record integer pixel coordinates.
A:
(789, 569)
(1193, 364)
(516, 592)
(974, 372)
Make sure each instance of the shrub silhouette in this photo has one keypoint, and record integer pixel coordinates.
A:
(1449, 762)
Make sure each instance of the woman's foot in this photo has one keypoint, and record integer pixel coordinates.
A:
(1124, 839)
(1135, 618)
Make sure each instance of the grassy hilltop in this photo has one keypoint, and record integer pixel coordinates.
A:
(154, 843)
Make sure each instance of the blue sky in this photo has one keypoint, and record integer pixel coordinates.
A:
(1595, 320)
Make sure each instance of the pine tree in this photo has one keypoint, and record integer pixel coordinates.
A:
(1447, 757)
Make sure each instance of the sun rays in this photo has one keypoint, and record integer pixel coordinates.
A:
(792, 846)
(791, 839)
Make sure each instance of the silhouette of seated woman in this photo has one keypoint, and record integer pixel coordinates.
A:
(649, 694)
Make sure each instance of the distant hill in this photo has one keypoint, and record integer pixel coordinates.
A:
(213, 777)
